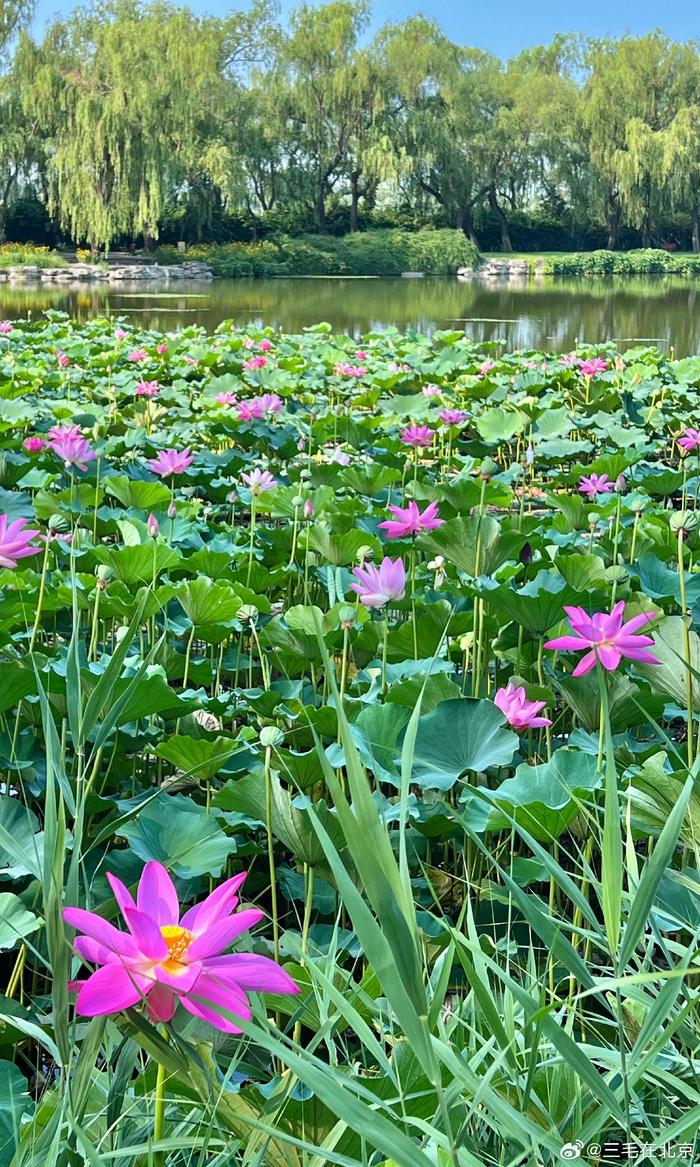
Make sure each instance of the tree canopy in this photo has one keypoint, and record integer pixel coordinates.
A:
(129, 115)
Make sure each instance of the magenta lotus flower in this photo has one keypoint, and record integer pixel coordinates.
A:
(361, 356)
(690, 440)
(15, 541)
(606, 637)
(377, 586)
(33, 445)
(164, 958)
(137, 355)
(410, 521)
(161, 349)
(169, 462)
(517, 710)
(5, 327)
(453, 416)
(61, 359)
(255, 363)
(226, 399)
(595, 484)
(417, 436)
(259, 480)
(147, 389)
(265, 346)
(591, 367)
(73, 451)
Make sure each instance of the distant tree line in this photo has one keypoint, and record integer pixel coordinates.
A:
(130, 121)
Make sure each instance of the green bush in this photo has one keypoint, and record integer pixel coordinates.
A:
(644, 261)
(384, 252)
(23, 254)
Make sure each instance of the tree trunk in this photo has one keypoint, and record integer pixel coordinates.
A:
(465, 222)
(354, 200)
(614, 220)
(321, 224)
(148, 239)
(646, 230)
(696, 229)
(497, 209)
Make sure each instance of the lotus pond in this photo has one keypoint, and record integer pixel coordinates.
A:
(407, 630)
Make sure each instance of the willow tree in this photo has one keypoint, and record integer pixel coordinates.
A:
(322, 89)
(681, 166)
(128, 98)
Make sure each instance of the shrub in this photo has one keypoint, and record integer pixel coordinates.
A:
(643, 261)
(22, 254)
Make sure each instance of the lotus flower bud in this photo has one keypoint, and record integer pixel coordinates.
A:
(684, 521)
(271, 737)
(153, 526)
(172, 509)
(347, 615)
(309, 508)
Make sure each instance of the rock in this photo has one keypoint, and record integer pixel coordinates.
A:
(412, 275)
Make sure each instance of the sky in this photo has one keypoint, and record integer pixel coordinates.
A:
(503, 27)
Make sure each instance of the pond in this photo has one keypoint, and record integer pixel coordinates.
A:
(551, 313)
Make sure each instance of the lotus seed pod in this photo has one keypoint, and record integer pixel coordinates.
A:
(271, 737)
(488, 468)
(297, 501)
(305, 474)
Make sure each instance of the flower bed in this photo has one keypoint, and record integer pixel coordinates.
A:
(407, 630)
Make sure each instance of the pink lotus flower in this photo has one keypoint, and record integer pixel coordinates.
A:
(255, 363)
(339, 457)
(595, 484)
(595, 365)
(265, 346)
(271, 403)
(377, 586)
(191, 361)
(453, 416)
(342, 369)
(517, 710)
(410, 521)
(73, 451)
(690, 440)
(486, 367)
(252, 410)
(5, 327)
(61, 359)
(161, 349)
(249, 342)
(33, 445)
(417, 435)
(63, 431)
(569, 360)
(360, 356)
(607, 638)
(137, 355)
(431, 390)
(147, 389)
(163, 958)
(15, 541)
(169, 462)
(259, 480)
(120, 334)
(226, 399)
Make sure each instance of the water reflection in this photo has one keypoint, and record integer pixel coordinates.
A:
(549, 313)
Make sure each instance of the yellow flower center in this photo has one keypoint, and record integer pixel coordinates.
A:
(178, 941)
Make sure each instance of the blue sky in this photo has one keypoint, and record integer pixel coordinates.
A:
(502, 26)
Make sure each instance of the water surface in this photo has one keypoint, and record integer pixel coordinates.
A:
(551, 313)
